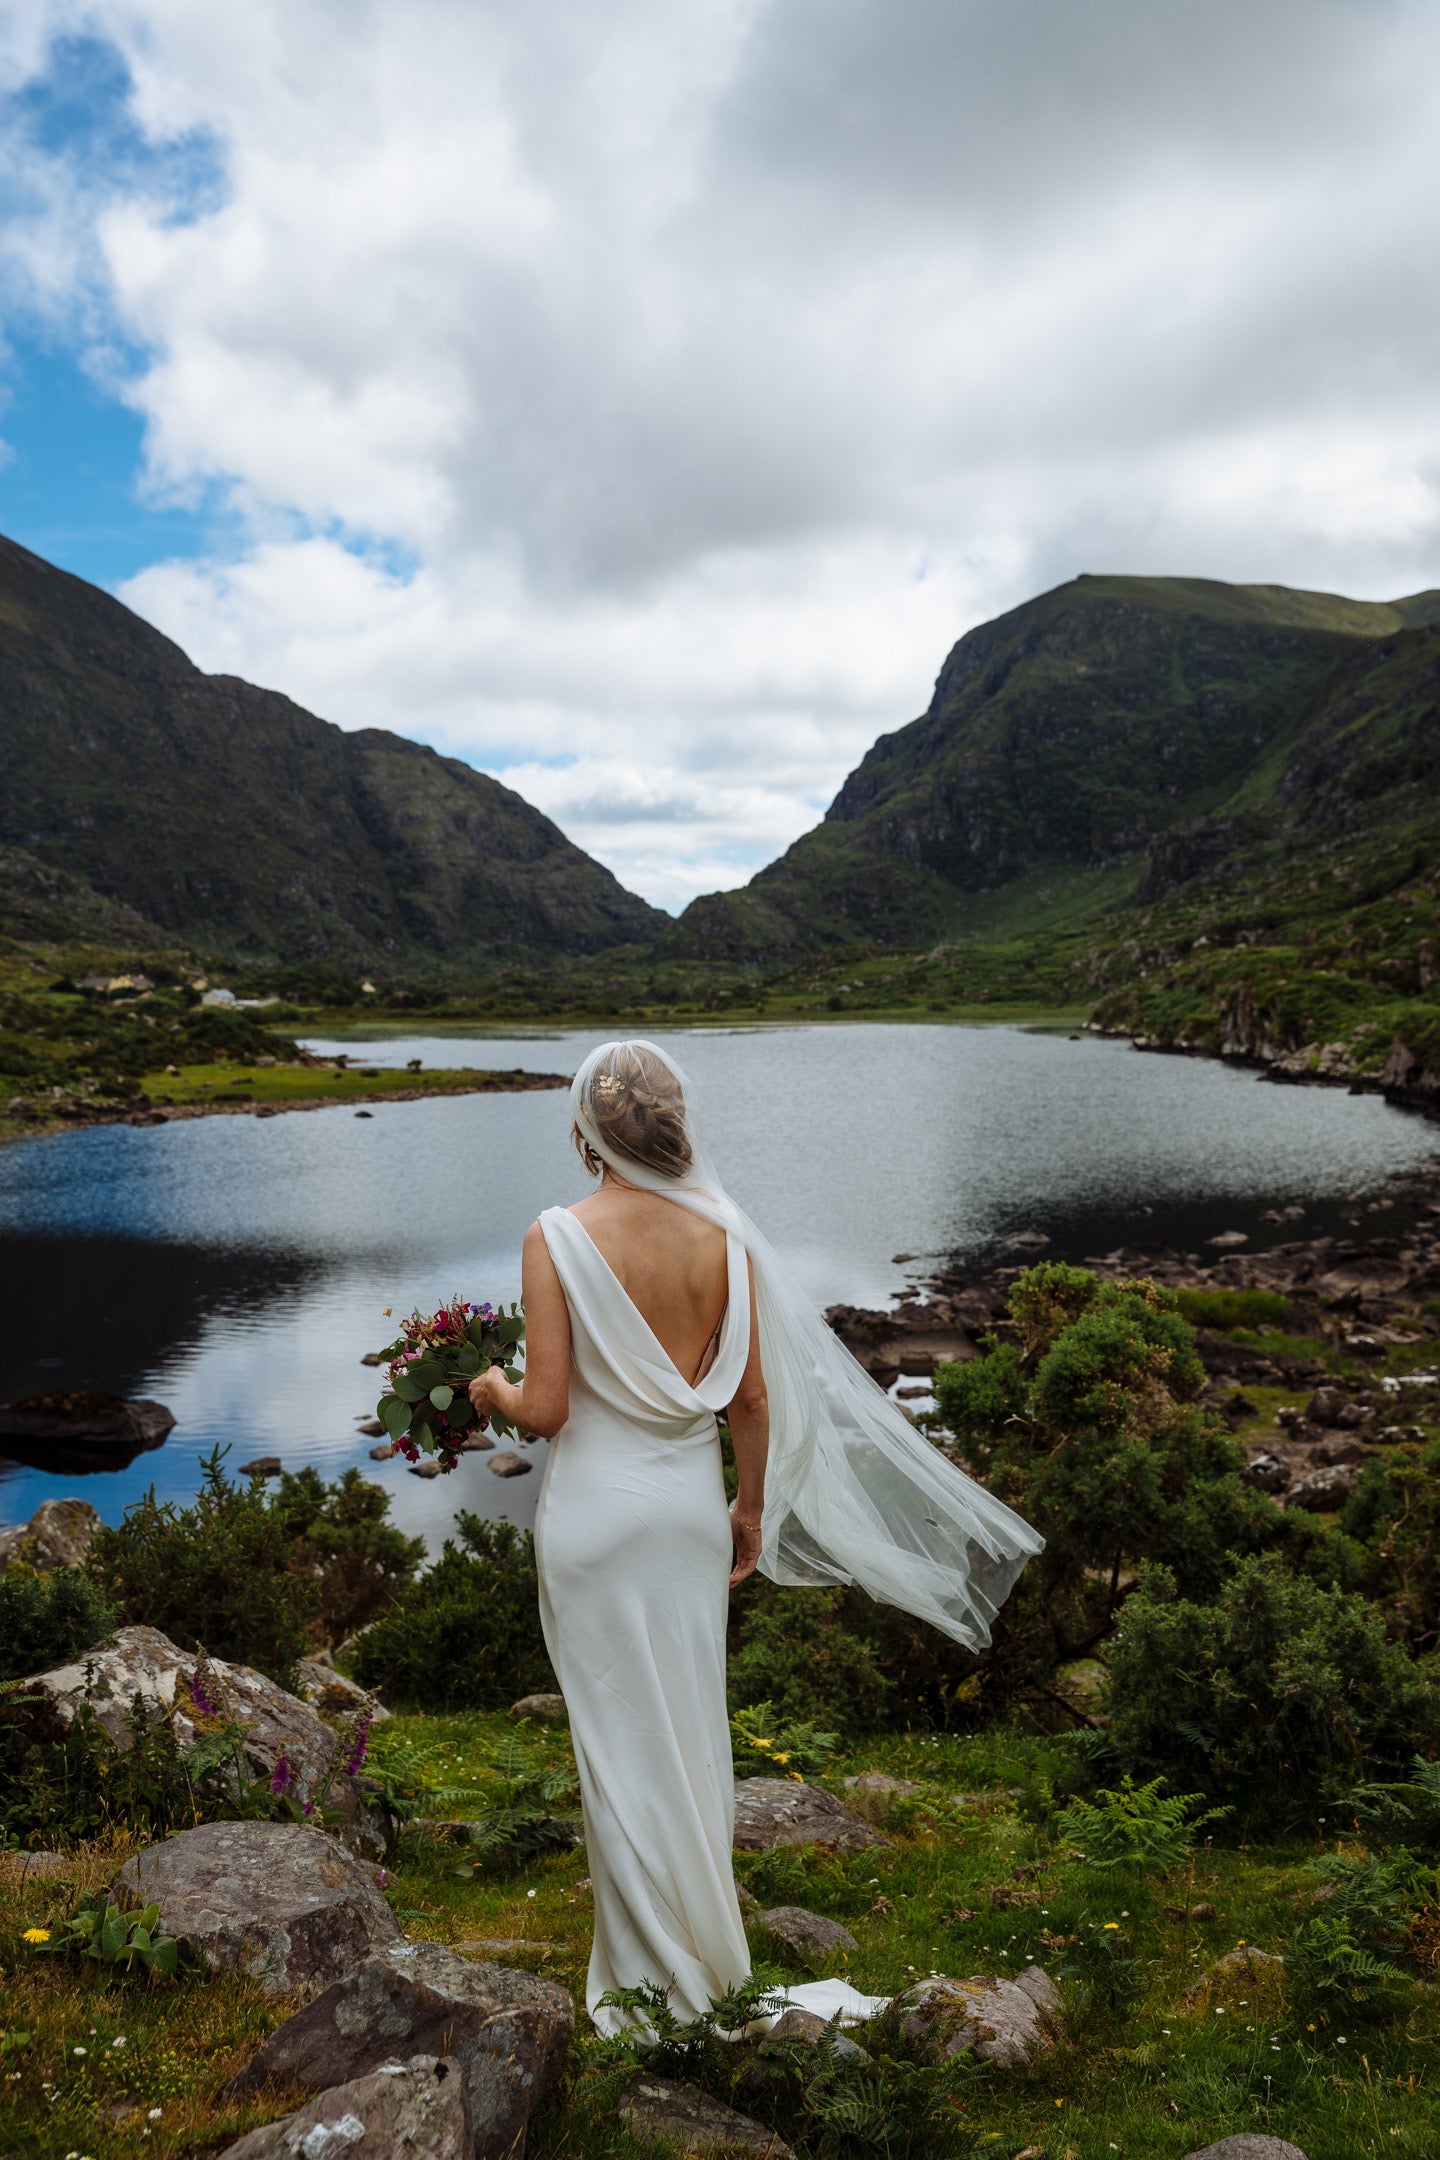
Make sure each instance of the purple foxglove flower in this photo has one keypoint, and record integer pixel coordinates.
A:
(282, 1776)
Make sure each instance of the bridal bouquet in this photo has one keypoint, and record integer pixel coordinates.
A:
(426, 1409)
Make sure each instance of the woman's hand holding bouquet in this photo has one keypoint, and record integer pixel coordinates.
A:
(427, 1408)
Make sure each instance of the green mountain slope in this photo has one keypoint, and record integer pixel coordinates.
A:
(1102, 744)
(228, 816)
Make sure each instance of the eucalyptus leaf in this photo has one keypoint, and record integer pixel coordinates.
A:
(408, 1388)
(442, 1396)
(394, 1415)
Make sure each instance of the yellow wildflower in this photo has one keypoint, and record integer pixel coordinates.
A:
(782, 1758)
(1110, 1924)
(37, 1935)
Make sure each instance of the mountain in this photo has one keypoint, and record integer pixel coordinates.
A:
(227, 816)
(1104, 744)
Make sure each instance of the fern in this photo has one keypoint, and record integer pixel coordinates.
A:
(1136, 1826)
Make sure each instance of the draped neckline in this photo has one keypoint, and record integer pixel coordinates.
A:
(715, 1332)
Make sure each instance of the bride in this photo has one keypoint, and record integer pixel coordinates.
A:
(649, 1307)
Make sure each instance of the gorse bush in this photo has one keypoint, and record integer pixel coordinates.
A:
(1394, 1516)
(1278, 1693)
(1087, 1423)
(256, 1577)
(47, 1620)
(363, 1561)
(812, 1655)
(465, 1635)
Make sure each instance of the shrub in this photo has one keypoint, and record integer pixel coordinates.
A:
(256, 1576)
(364, 1561)
(803, 1653)
(1277, 1694)
(220, 1573)
(465, 1635)
(47, 1620)
(1087, 1424)
(1394, 1514)
(762, 1744)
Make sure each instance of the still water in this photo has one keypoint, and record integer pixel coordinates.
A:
(237, 1268)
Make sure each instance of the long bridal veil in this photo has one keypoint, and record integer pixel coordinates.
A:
(854, 1494)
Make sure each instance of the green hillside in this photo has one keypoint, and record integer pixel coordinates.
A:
(229, 818)
(1101, 746)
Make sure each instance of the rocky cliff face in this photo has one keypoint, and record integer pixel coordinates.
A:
(1159, 728)
(228, 815)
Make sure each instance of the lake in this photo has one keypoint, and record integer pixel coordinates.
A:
(236, 1268)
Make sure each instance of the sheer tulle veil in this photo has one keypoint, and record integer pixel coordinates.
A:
(853, 1493)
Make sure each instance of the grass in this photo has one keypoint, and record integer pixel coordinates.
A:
(961, 1890)
(202, 1084)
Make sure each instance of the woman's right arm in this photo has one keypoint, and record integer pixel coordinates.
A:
(750, 1436)
(541, 1403)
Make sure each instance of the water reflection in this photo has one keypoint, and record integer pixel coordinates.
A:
(237, 1268)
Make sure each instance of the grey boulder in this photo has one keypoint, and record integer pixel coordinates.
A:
(657, 2111)
(57, 1535)
(1320, 1491)
(140, 1661)
(1005, 2022)
(778, 1811)
(331, 1696)
(507, 2031)
(508, 1464)
(814, 2031)
(808, 1934)
(415, 2110)
(547, 1709)
(291, 1906)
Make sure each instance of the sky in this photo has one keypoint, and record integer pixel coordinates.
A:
(637, 402)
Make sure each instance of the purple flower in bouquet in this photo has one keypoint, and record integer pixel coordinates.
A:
(282, 1776)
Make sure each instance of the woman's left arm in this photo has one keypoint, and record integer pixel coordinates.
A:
(541, 1403)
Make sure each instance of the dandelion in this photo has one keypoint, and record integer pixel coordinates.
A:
(1109, 1924)
(36, 1935)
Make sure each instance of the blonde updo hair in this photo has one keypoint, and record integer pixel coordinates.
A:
(637, 1106)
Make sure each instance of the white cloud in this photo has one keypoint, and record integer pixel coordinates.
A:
(711, 364)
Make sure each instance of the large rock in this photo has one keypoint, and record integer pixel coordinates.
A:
(779, 1811)
(141, 1661)
(1243, 1973)
(80, 1430)
(1322, 1491)
(810, 1935)
(331, 1696)
(415, 2110)
(508, 2032)
(1248, 2145)
(289, 1905)
(57, 1535)
(814, 2031)
(547, 1709)
(1005, 2022)
(655, 2111)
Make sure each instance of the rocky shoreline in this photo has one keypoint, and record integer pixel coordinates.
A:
(1357, 1299)
(1404, 1079)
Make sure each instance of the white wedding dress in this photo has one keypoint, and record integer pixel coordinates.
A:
(632, 1538)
